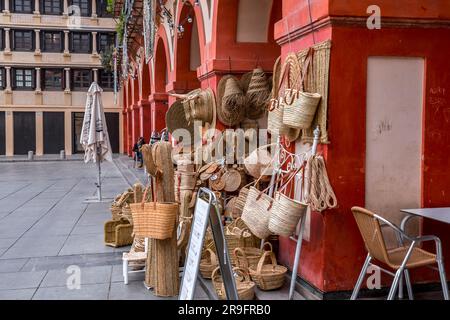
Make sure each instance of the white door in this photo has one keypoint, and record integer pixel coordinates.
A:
(394, 135)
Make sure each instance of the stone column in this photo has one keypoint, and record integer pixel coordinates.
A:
(65, 10)
(6, 9)
(8, 79)
(39, 133)
(7, 40)
(38, 80)
(95, 75)
(37, 41)
(94, 43)
(66, 42)
(67, 71)
(94, 9)
(36, 7)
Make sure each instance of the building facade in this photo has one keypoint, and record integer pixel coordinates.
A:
(50, 52)
(388, 109)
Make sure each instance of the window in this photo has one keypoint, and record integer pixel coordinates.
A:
(80, 42)
(1, 39)
(52, 41)
(23, 79)
(106, 79)
(102, 9)
(23, 6)
(52, 7)
(105, 41)
(2, 79)
(52, 79)
(81, 7)
(81, 79)
(23, 40)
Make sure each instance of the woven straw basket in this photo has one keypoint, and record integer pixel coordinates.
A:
(268, 276)
(245, 287)
(285, 214)
(256, 213)
(249, 257)
(154, 219)
(237, 238)
(240, 202)
(299, 111)
(116, 212)
(208, 264)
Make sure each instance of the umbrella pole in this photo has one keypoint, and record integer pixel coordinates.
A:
(99, 179)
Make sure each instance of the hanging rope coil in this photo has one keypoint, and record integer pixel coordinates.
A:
(319, 193)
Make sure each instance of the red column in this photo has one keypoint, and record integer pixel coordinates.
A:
(145, 119)
(124, 131)
(129, 132)
(135, 123)
(159, 106)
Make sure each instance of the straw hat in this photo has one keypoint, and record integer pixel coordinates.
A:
(176, 119)
(257, 94)
(231, 101)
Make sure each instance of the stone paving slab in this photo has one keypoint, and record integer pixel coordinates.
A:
(35, 246)
(17, 294)
(21, 280)
(88, 275)
(12, 265)
(86, 292)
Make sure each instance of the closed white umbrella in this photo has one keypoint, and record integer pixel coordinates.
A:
(94, 134)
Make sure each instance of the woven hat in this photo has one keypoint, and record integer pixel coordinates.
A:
(176, 119)
(231, 101)
(257, 94)
(200, 105)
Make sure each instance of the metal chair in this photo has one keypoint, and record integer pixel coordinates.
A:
(400, 259)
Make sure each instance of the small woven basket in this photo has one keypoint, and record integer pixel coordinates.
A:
(116, 212)
(268, 276)
(154, 219)
(118, 233)
(285, 214)
(256, 213)
(245, 287)
(208, 264)
(249, 257)
(126, 213)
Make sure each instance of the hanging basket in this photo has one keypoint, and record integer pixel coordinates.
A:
(256, 213)
(285, 214)
(154, 219)
(245, 287)
(300, 109)
(268, 276)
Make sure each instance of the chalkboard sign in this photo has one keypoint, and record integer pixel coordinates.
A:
(204, 209)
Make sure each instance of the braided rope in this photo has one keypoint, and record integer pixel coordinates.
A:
(321, 195)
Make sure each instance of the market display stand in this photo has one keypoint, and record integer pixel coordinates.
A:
(206, 210)
(284, 157)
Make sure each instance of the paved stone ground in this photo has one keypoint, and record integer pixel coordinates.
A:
(45, 227)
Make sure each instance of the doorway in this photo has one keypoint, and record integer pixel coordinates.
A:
(53, 132)
(24, 132)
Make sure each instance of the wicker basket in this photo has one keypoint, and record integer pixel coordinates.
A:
(126, 213)
(118, 233)
(300, 109)
(154, 219)
(256, 213)
(240, 201)
(237, 238)
(249, 257)
(245, 287)
(116, 212)
(285, 214)
(268, 276)
(208, 264)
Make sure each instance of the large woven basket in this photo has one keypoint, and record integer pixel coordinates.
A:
(154, 219)
(116, 212)
(249, 257)
(285, 214)
(240, 201)
(299, 112)
(268, 276)
(126, 213)
(118, 233)
(208, 264)
(256, 213)
(245, 287)
(237, 238)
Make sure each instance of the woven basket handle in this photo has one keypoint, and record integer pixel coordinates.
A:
(215, 275)
(212, 256)
(243, 274)
(144, 197)
(308, 62)
(240, 254)
(262, 260)
(290, 177)
(267, 244)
